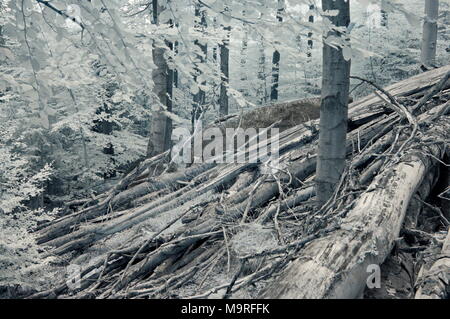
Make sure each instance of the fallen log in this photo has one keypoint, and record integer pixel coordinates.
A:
(397, 273)
(335, 266)
(434, 282)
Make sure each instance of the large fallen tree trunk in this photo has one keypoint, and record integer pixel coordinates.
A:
(397, 273)
(337, 265)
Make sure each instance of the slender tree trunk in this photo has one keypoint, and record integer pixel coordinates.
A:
(4, 6)
(169, 99)
(276, 58)
(243, 71)
(215, 47)
(2, 39)
(175, 72)
(200, 97)
(216, 56)
(160, 130)
(334, 106)
(429, 35)
(175, 51)
(310, 34)
(261, 91)
(2, 43)
(224, 70)
(384, 14)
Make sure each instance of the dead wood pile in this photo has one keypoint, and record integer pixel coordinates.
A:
(264, 230)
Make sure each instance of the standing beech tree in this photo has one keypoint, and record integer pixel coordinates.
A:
(200, 95)
(160, 130)
(429, 35)
(334, 101)
(243, 59)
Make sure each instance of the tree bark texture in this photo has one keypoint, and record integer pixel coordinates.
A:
(334, 106)
(429, 35)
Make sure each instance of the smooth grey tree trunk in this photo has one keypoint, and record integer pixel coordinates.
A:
(199, 98)
(276, 58)
(160, 129)
(429, 35)
(244, 89)
(334, 106)
(224, 70)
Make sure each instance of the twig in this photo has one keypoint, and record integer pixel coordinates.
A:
(235, 277)
(397, 107)
(228, 249)
(433, 91)
(250, 200)
(219, 255)
(277, 225)
(436, 210)
(393, 103)
(60, 12)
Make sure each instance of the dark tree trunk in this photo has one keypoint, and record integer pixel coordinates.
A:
(310, 34)
(384, 14)
(170, 85)
(276, 58)
(175, 71)
(224, 70)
